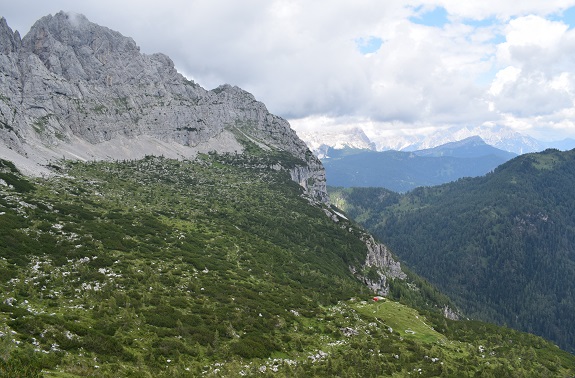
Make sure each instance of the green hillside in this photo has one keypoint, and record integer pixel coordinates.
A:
(501, 246)
(216, 267)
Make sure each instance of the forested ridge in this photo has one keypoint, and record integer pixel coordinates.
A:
(502, 246)
(402, 171)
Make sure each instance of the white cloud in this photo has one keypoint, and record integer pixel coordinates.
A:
(531, 39)
(534, 92)
(513, 66)
(504, 77)
(531, 95)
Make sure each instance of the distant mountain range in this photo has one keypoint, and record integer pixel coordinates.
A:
(501, 137)
(401, 171)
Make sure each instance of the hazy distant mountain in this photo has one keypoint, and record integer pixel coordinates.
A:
(401, 171)
(563, 145)
(320, 143)
(472, 147)
(500, 137)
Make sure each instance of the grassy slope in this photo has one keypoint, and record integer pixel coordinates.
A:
(218, 267)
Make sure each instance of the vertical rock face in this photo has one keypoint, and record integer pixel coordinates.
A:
(9, 85)
(9, 41)
(378, 256)
(76, 89)
(379, 266)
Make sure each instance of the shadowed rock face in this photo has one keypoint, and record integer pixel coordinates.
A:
(71, 88)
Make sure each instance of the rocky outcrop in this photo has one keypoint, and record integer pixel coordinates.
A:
(380, 257)
(379, 265)
(312, 178)
(386, 267)
(449, 313)
(74, 89)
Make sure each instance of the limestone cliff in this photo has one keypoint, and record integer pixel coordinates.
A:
(379, 260)
(386, 267)
(74, 89)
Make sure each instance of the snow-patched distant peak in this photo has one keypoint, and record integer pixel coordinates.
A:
(338, 138)
(497, 136)
(501, 137)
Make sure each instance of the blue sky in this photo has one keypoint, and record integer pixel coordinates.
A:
(436, 17)
(368, 45)
(567, 16)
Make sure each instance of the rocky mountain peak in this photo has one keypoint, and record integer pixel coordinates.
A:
(9, 40)
(70, 45)
(78, 90)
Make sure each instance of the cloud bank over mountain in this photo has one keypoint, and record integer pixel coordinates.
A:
(404, 67)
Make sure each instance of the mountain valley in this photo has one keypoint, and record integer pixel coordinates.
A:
(402, 171)
(500, 245)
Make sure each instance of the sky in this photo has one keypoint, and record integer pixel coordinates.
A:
(399, 66)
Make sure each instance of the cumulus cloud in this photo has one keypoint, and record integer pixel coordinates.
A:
(532, 95)
(396, 65)
(533, 42)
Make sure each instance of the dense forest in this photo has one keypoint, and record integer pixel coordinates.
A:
(502, 246)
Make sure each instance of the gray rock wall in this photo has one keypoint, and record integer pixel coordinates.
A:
(71, 88)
